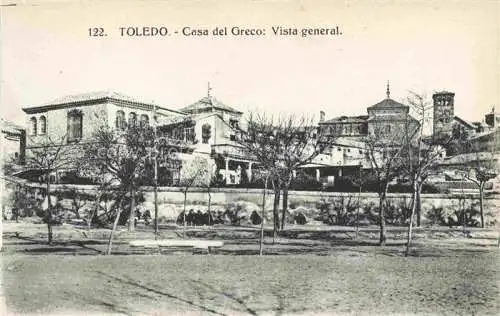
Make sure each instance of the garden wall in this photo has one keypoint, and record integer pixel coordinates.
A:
(310, 203)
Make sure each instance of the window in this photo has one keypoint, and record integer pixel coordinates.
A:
(339, 149)
(144, 120)
(75, 118)
(189, 135)
(206, 131)
(233, 123)
(33, 126)
(360, 152)
(120, 120)
(132, 119)
(43, 125)
(388, 129)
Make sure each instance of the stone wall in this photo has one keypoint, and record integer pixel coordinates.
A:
(170, 200)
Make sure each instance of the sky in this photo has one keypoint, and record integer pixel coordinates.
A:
(422, 46)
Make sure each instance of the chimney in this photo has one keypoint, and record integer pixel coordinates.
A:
(321, 116)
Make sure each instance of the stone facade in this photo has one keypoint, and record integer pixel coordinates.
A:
(73, 120)
(385, 119)
(12, 143)
(444, 109)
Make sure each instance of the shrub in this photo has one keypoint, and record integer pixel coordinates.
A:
(255, 218)
(458, 214)
(300, 219)
(343, 211)
(240, 211)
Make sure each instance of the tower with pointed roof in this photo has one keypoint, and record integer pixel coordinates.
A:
(444, 111)
(389, 117)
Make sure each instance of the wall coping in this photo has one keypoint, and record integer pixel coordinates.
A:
(82, 187)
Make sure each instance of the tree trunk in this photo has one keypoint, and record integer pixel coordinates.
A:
(481, 202)
(209, 205)
(410, 227)
(49, 212)
(261, 245)
(113, 230)
(383, 229)
(276, 216)
(131, 217)
(89, 219)
(341, 212)
(285, 205)
(155, 196)
(184, 219)
(94, 210)
(418, 204)
(357, 212)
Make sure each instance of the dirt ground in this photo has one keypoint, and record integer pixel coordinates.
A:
(308, 270)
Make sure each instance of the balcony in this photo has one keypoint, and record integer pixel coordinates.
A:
(231, 150)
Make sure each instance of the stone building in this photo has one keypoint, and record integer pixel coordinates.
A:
(387, 121)
(204, 128)
(73, 120)
(216, 128)
(443, 113)
(473, 136)
(384, 120)
(13, 143)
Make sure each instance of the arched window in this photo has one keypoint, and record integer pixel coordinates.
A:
(43, 125)
(75, 118)
(33, 126)
(120, 120)
(144, 120)
(132, 119)
(206, 133)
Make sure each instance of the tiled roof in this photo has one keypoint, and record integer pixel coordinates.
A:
(443, 92)
(209, 102)
(470, 157)
(485, 133)
(347, 119)
(91, 97)
(10, 127)
(96, 95)
(481, 124)
(388, 103)
(172, 119)
(389, 117)
(349, 142)
(464, 122)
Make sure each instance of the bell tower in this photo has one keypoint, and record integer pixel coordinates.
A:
(444, 107)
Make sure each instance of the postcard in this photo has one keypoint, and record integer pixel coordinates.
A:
(250, 157)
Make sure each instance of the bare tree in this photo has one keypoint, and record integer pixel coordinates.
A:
(197, 172)
(423, 156)
(482, 167)
(49, 157)
(384, 151)
(120, 159)
(258, 141)
(282, 145)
